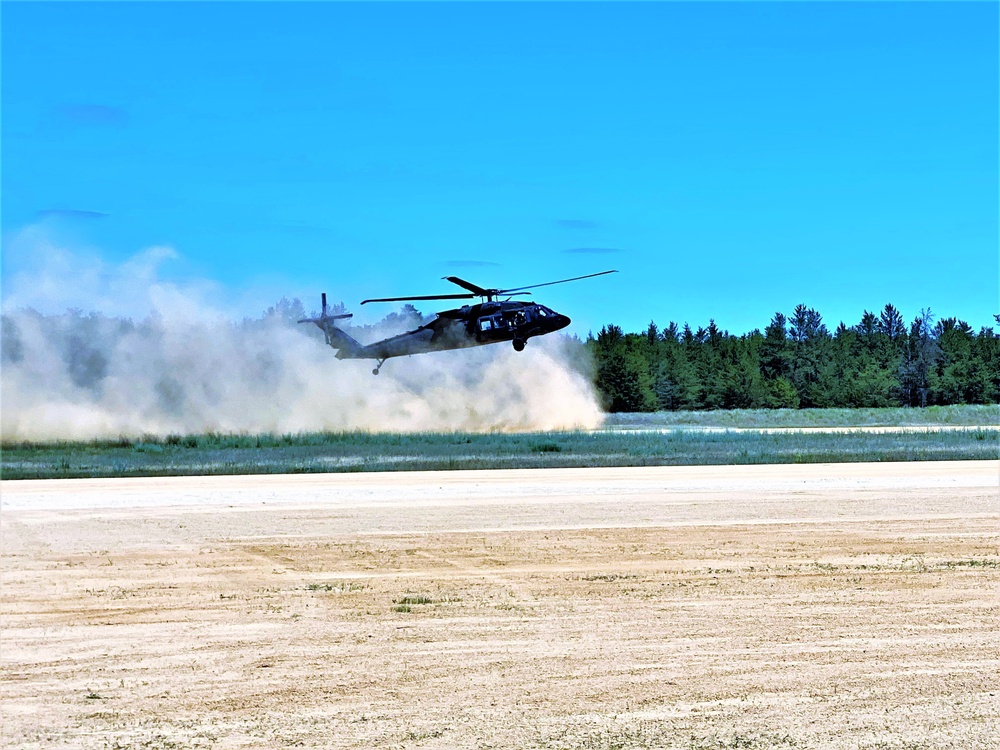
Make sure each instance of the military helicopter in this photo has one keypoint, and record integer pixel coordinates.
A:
(491, 321)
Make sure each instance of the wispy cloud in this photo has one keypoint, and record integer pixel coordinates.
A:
(576, 223)
(471, 263)
(92, 114)
(594, 250)
(69, 213)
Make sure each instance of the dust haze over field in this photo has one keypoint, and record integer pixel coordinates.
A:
(186, 366)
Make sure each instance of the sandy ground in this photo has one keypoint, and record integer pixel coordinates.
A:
(821, 606)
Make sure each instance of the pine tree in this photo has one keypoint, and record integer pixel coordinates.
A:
(808, 335)
(868, 326)
(920, 357)
(796, 362)
(675, 380)
(775, 354)
(987, 357)
(952, 384)
(623, 375)
(652, 334)
(891, 323)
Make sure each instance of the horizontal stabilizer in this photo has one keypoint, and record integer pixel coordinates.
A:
(325, 317)
(335, 337)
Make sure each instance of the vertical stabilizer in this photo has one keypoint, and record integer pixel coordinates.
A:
(334, 337)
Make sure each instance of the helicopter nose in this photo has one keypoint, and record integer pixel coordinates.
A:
(561, 321)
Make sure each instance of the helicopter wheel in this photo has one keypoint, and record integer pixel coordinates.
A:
(375, 371)
(518, 345)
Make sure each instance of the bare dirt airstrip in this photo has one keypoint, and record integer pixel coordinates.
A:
(821, 606)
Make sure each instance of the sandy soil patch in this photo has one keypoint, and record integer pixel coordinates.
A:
(836, 606)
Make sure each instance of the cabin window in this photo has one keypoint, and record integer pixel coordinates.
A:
(485, 324)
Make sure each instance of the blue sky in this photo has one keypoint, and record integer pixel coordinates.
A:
(729, 159)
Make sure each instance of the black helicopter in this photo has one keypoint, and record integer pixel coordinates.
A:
(488, 322)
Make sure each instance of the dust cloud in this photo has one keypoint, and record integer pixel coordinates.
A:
(186, 367)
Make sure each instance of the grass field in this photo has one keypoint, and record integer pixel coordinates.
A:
(965, 415)
(627, 440)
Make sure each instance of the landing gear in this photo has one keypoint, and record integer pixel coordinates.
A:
(378, 367)
(518, 345)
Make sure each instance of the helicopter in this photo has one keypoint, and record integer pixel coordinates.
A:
(490, 321)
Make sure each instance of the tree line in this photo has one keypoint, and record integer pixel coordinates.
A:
(797, 363)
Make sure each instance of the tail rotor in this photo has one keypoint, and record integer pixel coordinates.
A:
(325, 321)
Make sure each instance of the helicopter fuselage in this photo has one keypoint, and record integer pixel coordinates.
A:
(490, 322)
(469, 325)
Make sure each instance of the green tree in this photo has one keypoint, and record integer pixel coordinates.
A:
(623, 376)
(808, 336)
(891, 323)
(879, 372)
(675, 379)
(986, 356)
(953, 376)
(775, 351)
(920, 356)
(796, 362)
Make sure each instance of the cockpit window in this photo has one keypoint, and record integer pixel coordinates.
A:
(542, 312)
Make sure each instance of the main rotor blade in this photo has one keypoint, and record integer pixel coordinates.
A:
(477, 290)
(426, 297)
(550, 283)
